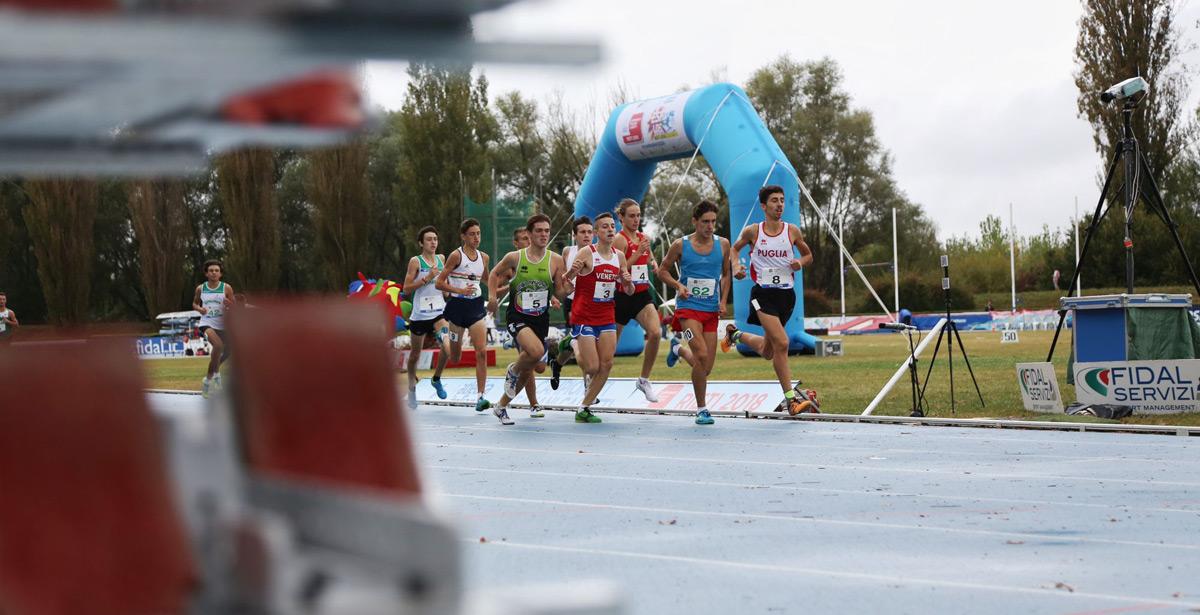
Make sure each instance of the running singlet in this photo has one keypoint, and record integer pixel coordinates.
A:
(467, 272)
(428, 302)
(595, 292)
(771, 258)
(568, 258)
(639, 269)
(213, 302)
(3, 316)
(701, 275)
(529, 291)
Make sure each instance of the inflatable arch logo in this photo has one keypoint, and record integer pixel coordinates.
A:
(719, 121)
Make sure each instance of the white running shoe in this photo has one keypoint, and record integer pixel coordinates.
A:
(502, 413)
(412, 399)
(536, 412)
(216, 383)
(510, 381)
(647, 389)
(205, 386)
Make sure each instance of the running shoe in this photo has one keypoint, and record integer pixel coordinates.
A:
(438, 388)
(564, 344)
(647, 389)
(536, 412)
(555, 373)
(673, 352)
(205, 385)
(798, 405)
(510, 381)
(482, 405)
(216, 382)
(727, 340)
(412, 399)
(502, 413)
(585, 416)
(704, 418)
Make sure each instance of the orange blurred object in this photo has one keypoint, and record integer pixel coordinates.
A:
(326, 99)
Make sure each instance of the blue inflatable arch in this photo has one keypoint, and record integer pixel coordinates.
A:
(721, 122)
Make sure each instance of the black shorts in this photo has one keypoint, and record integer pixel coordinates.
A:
(220, 332)
(777, 302)
(464, 312)
(423, 327)
(628, 306)
(566, 307)
(540, 325)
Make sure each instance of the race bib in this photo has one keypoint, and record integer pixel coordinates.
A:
(702, 288)
(775, 277)
(640, 274)
(534, 301)
(604, 292)
(462, 281)
(432, 303)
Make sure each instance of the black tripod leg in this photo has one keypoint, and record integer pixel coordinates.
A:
(933, 359)
(1097, 216)
(1152, 196)
(969, 370)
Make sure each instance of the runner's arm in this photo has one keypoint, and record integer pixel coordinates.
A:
(665, 271)
(501, 275)
(745, 238)
(443, 280)
(196, 305)
(12, 318)
(726, 282)
(626, 279)
(806, 255)
(411, 282)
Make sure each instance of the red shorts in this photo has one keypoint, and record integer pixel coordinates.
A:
(707, 320)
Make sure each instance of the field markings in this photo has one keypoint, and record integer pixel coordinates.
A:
(819, 574)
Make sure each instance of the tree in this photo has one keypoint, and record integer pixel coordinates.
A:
(60, 216)
(337, 188)
(448, 131)
(159, 214)
(837, 155)
(1119, 39)
(246, 181)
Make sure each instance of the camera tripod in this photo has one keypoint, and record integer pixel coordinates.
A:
(949, 332)
(1136, 169)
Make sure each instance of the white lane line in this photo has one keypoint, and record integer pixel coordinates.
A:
(820, 574)
(868, 492)
(874, 450)
(821, 521)
(825, 466)
(939, 432)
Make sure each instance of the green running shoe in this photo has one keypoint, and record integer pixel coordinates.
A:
(585, 416)
(482, 405)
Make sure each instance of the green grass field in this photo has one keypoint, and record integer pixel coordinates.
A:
(846, 384)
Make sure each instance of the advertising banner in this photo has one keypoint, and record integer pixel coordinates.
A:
(160, 348)
(619, 394)
(1150, 387)
(654, 127)
(1039, 387)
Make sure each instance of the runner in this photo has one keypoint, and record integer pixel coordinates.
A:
(213, 298)
(568, 346)
(8, 319)
(535, 273)
(594, 276)
(700, 303)
(464, 277)
(772, 267)
(521, 241)
(635, 247)
(428, 303)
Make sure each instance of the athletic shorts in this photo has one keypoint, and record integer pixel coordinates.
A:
(464, 312)
(423, 327)
(778, 302)
(707, 320)
(566, 307)
(628, 306)
(592, 330)
(540, 325)
(220, 332)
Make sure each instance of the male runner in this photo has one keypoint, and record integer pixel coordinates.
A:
(521, 241)
(213, 298)
(594, 277)
(703, 261)
(535, 274)
(464, 277)
(772, 267)
(8, 319)
(428, 303)
(582, 230)
(635, 247)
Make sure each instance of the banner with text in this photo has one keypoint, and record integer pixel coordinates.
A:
(1150, 387)
(1039, 387)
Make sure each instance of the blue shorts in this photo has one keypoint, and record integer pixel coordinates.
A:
(592, 330)
(464, 312)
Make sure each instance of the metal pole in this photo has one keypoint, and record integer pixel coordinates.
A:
(842, 267)
(895, 263)
(1012, 256)
(1079, 282)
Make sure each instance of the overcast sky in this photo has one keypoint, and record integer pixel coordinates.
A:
(974, 100)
